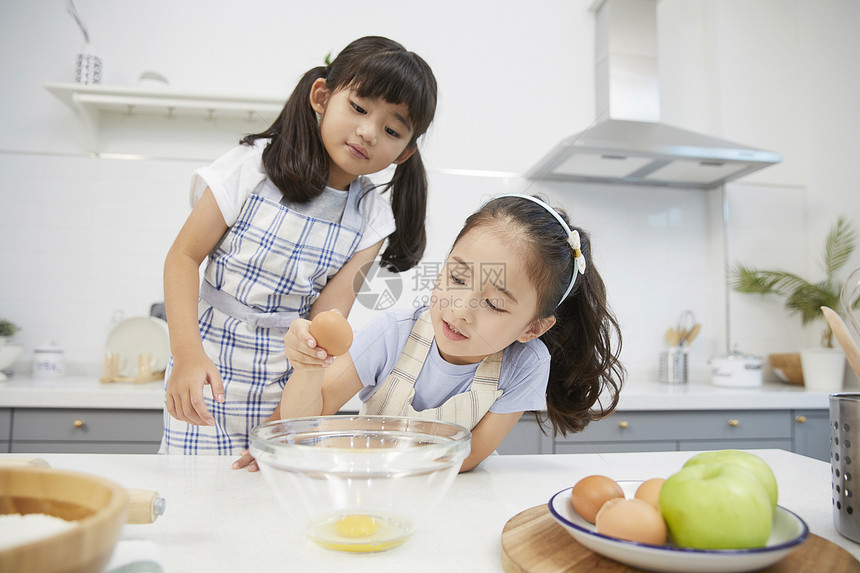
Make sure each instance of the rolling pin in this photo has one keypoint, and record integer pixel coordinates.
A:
(144, 506)
(837, 325)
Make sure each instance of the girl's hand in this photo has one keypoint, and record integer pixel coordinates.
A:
(301, 347)
(246, 460)
(184, 398)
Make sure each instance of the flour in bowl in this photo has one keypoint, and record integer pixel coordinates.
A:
(17, 529)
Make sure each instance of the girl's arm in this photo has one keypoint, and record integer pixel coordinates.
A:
(319, 384)
(487, 436)
(339, 292)
(312, 389)
(192, 369)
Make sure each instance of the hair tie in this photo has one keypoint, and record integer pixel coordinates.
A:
(572, 239)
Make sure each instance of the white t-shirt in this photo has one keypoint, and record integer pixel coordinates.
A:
(523, 378)
(239, 173)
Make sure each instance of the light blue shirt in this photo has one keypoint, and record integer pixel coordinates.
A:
(523, 377)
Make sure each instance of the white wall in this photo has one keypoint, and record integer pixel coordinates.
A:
(82, 238)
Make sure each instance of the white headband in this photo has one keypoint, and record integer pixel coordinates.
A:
(572, 239)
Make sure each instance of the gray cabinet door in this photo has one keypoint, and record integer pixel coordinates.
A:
(82, 430)
(86, 425)
(526, 438)
(5, 430)
(685, 430)
(811, 429)
(85, 447)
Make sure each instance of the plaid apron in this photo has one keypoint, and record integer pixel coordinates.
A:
(267, 270)
(394, 396)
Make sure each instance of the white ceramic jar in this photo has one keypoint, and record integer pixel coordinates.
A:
(736, 369)
(48, 361)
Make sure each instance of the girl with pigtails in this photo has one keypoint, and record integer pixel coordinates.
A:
(518, 321)
(287, 219)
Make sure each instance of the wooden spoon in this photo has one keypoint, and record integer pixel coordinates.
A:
(672, 337)
(844, 337)
(694, 332)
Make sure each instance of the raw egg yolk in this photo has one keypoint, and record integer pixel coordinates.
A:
(356, 526)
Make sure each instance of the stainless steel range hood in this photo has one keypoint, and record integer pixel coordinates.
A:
(630, 146)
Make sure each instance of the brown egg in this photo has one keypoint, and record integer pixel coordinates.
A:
(649, 491)
(332, 332)
(590, 493)
(633, 520)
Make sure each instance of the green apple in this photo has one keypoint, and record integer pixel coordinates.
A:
(747, 460)
(716, 506)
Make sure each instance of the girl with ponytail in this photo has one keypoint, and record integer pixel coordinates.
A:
(518, 322)
(287, 219)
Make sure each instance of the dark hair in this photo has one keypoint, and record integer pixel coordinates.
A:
(296, 160)
(583, 363)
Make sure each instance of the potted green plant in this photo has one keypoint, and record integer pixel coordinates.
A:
(8, 352)
(802, 296)
(7, 330)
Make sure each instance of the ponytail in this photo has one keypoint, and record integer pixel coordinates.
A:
(409, 203)
(295, 158)
(584, 366)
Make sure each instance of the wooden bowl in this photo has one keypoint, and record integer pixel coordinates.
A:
(787, 368)
(98, 505)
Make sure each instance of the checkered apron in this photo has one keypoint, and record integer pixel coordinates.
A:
(267, 270)
(394, 397)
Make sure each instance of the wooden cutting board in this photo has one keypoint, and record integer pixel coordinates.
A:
(532, 542)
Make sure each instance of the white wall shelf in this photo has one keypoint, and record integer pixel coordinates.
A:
(95, 104)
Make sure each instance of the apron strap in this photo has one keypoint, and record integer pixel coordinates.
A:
(230, 306)
(395, 394)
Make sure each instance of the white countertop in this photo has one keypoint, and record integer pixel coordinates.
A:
(645, 396)
(80, 392)
(88, 392)
(218, 519)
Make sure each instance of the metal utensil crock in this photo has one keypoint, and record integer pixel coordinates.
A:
(845, 463)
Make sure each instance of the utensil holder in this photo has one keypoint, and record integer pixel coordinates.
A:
(673, 366)
(845, 463)
(88, 67)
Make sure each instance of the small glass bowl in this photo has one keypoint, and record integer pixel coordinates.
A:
(359, 483)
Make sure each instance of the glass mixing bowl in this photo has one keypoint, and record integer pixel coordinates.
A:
(359, 483)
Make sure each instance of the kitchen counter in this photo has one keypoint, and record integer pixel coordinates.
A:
(218, 519)
(80, 392)
(650, 396)
(88, 392)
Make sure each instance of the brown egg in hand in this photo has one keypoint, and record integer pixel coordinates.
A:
(590, 493)
(332, 332)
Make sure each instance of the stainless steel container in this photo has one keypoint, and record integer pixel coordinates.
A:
(845, 463)
(673, 366)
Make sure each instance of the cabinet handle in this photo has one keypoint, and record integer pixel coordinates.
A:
(623, 424)
(800, 419)
(78, 423)
(733, 422)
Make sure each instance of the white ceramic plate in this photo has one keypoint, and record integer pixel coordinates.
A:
(789, 531)
(139, 335)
